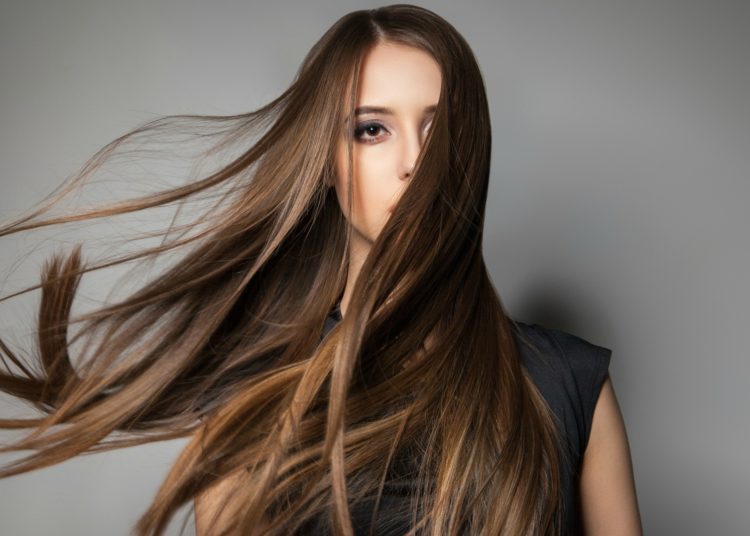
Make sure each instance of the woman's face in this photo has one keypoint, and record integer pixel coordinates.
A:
(399, 87)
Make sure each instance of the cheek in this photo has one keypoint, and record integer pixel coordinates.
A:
(374, 190)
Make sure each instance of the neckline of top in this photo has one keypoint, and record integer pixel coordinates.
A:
(336, 312)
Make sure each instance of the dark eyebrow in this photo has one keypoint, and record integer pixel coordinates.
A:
(361, 110)
(385, 111)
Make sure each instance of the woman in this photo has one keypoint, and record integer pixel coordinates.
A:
(332, 341)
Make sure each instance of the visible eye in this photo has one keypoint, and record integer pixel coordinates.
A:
(366, 132)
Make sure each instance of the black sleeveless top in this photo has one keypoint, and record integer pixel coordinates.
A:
(568, 371)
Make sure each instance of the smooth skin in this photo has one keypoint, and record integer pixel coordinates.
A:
(607, 485)
(405, 82)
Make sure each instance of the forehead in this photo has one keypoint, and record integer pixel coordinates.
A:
(398, 76)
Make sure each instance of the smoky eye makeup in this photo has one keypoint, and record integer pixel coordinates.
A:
(368, 131)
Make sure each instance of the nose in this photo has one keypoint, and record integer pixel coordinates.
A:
(410, 152)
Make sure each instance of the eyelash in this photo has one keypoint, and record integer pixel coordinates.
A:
(361, 128)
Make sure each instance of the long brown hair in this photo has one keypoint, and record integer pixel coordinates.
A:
(225, 346)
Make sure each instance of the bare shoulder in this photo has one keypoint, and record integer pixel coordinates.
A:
(607, 485)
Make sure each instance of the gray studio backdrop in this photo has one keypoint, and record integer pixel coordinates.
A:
(618, 206)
